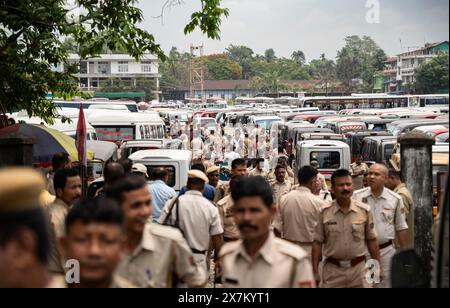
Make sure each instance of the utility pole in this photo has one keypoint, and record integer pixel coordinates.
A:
(196, 72)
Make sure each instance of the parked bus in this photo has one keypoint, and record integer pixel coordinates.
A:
(356, 102)
(431, 100)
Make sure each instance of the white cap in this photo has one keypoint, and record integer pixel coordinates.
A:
(139, 168)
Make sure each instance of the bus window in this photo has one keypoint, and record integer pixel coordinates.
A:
(115, 133)
(141, 130)
(147, 132)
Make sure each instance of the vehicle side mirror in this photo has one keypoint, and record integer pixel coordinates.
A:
(408, 271)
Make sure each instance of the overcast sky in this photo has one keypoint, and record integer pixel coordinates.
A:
(314, 26)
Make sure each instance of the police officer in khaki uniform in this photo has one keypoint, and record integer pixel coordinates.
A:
(213, 174)
(67, 184)
(280, 186)
(154, 255)
(260, 260)
(344, 232)
(395, 184)
(238, 168)
(289, 173)
(358, 169)
(259, 169)
(24, 250)
(299, 211)
(225, 207)
(99, 224)
(196, 217)
(389, 216)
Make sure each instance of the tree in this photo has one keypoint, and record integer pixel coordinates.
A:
(359, 59)
(31, 44)
(242, 55)
(432, 77)
(299, 57)
(323, 69)
(269, 55)
(175, 71)
(220, 67)
(119, 85)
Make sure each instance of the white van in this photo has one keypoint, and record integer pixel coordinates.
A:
(330, 154)
(176, 162)
(265, 121)
(114, 126)
(67, 128)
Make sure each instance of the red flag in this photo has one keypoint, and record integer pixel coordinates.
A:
(81, 137)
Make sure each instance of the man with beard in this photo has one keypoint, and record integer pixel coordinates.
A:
(259, 259)
(344, 232)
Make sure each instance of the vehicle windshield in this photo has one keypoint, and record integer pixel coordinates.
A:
(266, 124)
(326, 159)
(115, 133)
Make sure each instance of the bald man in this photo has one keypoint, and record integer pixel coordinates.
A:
(389, 216)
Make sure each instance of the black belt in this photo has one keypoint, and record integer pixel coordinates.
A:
(198, 252)
(387, 244)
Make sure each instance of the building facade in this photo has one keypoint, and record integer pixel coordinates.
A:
(108, 67)
(400, 72)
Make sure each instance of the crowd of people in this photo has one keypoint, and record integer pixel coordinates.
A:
(265, 227)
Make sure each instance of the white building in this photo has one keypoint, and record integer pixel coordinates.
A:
(95, 70)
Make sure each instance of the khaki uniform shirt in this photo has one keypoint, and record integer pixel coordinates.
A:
(57, 213)
(387, 210)
(162, 254)
(298, 214)
(222, 192)
(257, 172)
(280, 189)
(199, 219)
(358, 180)
(278, 264)
(344, 235)
(407, 199)
(289, 176)
(225, 207)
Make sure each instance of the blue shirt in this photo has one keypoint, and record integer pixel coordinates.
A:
(208, 193)
(161, 193)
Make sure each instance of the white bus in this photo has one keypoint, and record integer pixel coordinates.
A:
(356, 102)
(430, 100)
(114, 126)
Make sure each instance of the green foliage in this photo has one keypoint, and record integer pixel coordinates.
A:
(32, 44)
(120, 85)
(220, 67)
(359, 59)
(432, 77)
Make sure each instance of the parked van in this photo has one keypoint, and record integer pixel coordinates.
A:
(378, 149)
(114, 126)
(331, 155)
(67, 128)
(176, 162)
(265, 121)
(355, 140)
